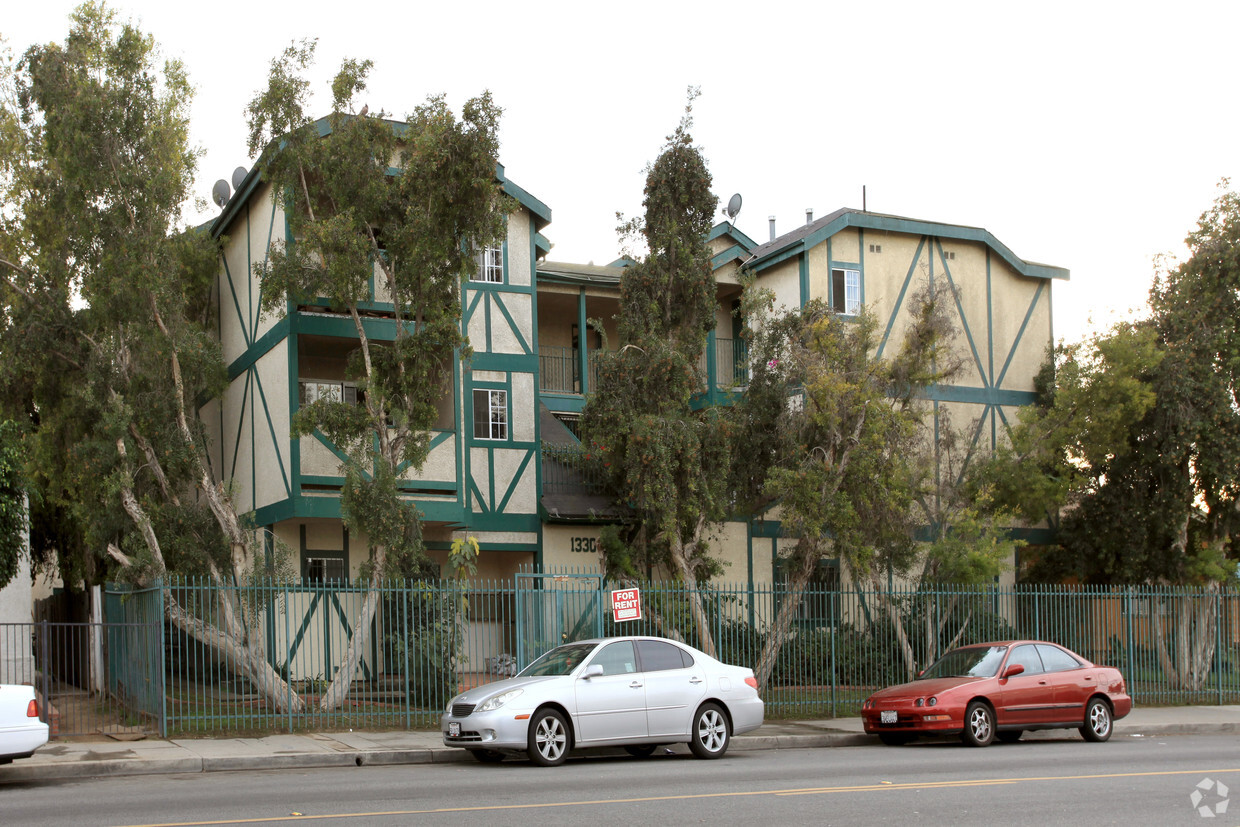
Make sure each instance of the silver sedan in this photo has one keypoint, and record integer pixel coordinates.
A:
(631, 692)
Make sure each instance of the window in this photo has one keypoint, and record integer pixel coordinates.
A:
(312, 392)
(846, 291)
(490, 414)
(490, 265)
(616, 658)
(1056, 659)
(1026, 656)
(658, 656)
(323, 570)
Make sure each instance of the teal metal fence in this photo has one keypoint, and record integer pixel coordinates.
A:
(417, 644)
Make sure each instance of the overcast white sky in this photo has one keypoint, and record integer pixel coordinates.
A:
(1088, 135)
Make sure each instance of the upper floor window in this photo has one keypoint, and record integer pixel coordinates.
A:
(846, 291)
(312, 392)
(490, 414)
(490, 262)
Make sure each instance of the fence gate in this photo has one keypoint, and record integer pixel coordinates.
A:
(554, 609)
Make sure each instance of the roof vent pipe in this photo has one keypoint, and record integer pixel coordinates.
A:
(772, 220)
(809, 215)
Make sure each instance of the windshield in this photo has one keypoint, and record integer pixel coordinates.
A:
(973, 662)
(559, 661)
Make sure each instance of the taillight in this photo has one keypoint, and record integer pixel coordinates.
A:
(752, 681)
(32, 709)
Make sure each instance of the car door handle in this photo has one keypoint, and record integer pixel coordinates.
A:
(695, 680)
(1041, 683)
(635, 685)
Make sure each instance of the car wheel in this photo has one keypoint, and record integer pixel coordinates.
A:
(1009, 736)
(640, 750)
(709, 736)
(979, 725)
(548, 739)
(486, 756)
(1097, 726)
(895, 739)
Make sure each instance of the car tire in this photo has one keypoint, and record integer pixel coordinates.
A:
(1009, 736)
(1097, 726)
(641, 750)
(709, 735)
(548, 739)
(486, 756)
(979, 725)
(895, 739)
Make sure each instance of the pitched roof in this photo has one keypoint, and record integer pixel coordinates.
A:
(811, 235)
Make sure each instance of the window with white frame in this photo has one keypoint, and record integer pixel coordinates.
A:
(490, 262)
(846, 291)
(312, 391)
(490, 414)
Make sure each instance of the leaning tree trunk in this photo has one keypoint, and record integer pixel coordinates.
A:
(1194, 639)
(342, 681)
(778, 633)
(903, 644)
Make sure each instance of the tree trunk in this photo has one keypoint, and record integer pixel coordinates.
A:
(1194, 643)
(778, 633)
(706, 640)
(342, 681)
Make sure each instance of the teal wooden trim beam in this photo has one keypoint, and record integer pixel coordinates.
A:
(331, 446)
(512, 324)
(509, 362)
(484, 506)
(245, 395)
(803, 276)
(259, 348)
(909, 226)
(964, 319)
(577, 281)
(271, 431)
(538, 244)
(328, 507)
(540, 211)
(978, 396)
(516, 479)
(242, 319)
(343, 327)
(583, 352)
(726, 230)
(329, 481)
(1020, 334)
(895, 311)
(562, 403)
(734, 253)
(494, 521)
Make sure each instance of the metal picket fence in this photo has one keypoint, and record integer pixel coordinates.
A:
(267, 657)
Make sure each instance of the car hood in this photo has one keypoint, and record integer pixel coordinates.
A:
(481, 693)
(922, 689)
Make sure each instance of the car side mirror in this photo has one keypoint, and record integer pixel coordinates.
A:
(1014, 669)
(594, 670)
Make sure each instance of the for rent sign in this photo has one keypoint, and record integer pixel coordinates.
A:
(626, 604)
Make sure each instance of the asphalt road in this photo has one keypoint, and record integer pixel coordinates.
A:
(1126, 781)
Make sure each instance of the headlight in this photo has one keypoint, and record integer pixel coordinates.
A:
(498, 701)
(450, 703)
(932, 701)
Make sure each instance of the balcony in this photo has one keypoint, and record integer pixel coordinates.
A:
(559, 368)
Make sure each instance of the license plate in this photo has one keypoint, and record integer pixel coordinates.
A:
(454, 729)
(887, 716)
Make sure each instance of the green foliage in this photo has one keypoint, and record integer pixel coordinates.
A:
(402, 206)
(12, 502)
(108, 336)
(666, 462)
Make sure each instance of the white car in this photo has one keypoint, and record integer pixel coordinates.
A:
(631, 692)
(21, 731)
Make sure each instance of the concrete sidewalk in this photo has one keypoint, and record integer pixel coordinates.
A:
(104, 757)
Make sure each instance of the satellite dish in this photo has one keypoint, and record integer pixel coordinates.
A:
(238, 177)
(734, 207)
(220, 193)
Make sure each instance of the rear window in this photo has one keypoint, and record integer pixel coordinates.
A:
(657, 656)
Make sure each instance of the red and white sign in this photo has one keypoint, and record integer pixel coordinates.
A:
(626, 604)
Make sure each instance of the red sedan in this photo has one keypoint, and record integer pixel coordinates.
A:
(1000, 690)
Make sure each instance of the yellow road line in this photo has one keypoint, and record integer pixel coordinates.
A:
(855, 788)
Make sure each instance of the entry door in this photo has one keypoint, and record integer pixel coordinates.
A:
(612, 706)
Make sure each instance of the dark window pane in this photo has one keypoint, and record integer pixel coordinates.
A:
(657, 656)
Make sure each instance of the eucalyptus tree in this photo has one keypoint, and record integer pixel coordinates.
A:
(402, 204)
(108, 333)
(666, 462)
(845, 474)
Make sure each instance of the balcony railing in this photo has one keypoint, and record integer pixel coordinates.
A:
(559, 368)
(569, 470)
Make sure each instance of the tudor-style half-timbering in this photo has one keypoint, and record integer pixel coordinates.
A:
(481, 477)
